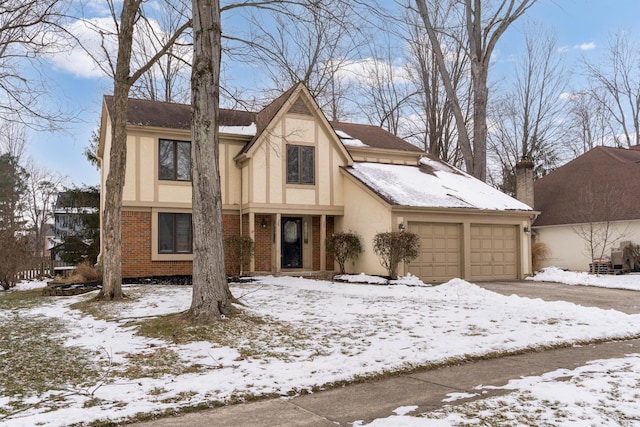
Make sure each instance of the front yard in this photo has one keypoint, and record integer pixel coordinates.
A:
(67, 360)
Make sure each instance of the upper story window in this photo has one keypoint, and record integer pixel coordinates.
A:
(175, 160)
(300, 164)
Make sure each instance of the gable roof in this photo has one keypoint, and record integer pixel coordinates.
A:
(170, 115)
(603, 184)
(433, 184)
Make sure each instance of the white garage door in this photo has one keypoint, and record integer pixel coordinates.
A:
(440, 246)
(494, 252)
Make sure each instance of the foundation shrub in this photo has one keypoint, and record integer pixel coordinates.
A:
(345, 246)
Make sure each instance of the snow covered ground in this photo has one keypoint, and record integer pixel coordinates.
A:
(344, 330)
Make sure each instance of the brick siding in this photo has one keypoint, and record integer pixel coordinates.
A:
(136, 247)
(263, 243)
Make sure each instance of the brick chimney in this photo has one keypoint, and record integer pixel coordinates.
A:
(524, 181)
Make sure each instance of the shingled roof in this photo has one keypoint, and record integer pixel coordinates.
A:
(601, 185)
(143, 112)
(178, 116)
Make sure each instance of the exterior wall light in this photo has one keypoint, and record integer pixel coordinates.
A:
(527, 229)
(401, 226)
(263, 224)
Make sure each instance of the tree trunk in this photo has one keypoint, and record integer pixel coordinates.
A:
(211, 295)
(112, 234)
(480, 97)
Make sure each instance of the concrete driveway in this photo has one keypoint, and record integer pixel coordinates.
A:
(588, 296)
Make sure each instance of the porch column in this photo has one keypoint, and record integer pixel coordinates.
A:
(278, 255)
(252, 234)
(323, 242)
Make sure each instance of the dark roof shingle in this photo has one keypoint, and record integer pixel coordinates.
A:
(601, 185)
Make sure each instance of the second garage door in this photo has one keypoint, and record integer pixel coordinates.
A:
(494, 252)
(440, 249)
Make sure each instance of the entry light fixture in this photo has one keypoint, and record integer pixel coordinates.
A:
(401, 226)
(527, 229)
(263, 224)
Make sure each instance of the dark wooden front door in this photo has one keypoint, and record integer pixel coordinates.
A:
(291, 242)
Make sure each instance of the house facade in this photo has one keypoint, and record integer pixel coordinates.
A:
(588, 206)
(290, 178)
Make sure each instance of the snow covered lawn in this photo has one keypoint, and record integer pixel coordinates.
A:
(312, 333)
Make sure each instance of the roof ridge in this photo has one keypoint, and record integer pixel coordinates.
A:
(610, 151)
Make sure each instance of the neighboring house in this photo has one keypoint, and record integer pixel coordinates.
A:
(75, 225)
(595, 195)
(290, 178)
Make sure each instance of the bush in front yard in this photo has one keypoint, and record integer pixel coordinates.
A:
(393, 247)
(344, 246)
(239, 249)
(539, 252)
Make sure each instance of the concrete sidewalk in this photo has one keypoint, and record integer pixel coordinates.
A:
(378, 399)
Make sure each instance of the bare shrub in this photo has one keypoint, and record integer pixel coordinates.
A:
(394, 247)
(239, 249)
(84, 272)
(344, 246)
(14, 250)
(539, 252)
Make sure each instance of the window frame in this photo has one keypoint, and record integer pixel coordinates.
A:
(175, 154)
(302, 162)
(174, 234)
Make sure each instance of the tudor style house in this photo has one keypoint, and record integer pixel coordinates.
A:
(290, 178)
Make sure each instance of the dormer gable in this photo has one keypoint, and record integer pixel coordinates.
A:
(297, 103)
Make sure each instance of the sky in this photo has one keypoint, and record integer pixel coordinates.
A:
(582, 26)
(344, 331)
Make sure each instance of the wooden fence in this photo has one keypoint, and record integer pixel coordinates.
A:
(39, 267)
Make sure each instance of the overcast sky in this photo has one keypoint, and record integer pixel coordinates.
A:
(582, 26)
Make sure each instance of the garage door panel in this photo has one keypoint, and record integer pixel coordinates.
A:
(494, 252)
(439, 257)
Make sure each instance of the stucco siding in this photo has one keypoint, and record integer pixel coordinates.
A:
(569, 250)
(367, 215)
(147, 168)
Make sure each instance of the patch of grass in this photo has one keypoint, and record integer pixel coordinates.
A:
(156, 363)
(35, 361)
(16, 300)
(104, 309)
(252, 335)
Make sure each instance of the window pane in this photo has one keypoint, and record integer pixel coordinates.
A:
(166, 160)
(165, 233)
(293, 174)
(183, 233)
(308, 165)
(183, 161)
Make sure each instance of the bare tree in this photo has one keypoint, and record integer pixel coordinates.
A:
(435, 128)
(26, 28)
(528, 116)
(168, 79)
(42, 187)
(124, 78)
(485, 22)
(385, 88)
(615, 84)
(598, 224)
(590, 122)
(13, 139)
(301, 43)
(211, 294)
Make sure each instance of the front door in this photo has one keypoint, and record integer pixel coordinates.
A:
(291, 242)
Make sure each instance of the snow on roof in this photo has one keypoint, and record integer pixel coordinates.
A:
(349, 140)
(432, 184)
(239, 130)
